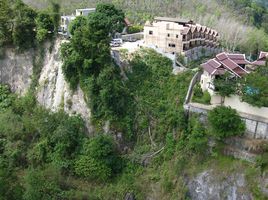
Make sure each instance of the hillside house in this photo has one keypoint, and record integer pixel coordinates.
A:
(183, 37)
(66, 20)
(233, 64)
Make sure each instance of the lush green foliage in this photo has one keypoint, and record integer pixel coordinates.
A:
(6, 97)
(135, 29)
(225, 122)
(254, 87)
(21, 25)
(99, 159)
(225, 86)
(201, 97)
(197, 137)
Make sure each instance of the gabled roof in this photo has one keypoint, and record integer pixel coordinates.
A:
(198, 27)
(224, 63)
(262, 59)
(193, 29)
(185, 30)
(263, 55)
(239, 59)
(204, 29)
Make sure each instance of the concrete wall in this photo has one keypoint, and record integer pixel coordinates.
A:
(244, 107)
(256, 126)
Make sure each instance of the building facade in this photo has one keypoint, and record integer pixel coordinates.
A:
(182, 37)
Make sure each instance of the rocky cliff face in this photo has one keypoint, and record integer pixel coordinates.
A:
(208, 186)
(53, 91)
(16, 70)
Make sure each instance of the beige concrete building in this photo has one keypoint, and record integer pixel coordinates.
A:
(181, 37)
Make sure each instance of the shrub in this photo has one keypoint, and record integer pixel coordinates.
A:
(135, 29)
(198, 91)
(197, 138)
(5, 97)
(99, 160)
(206, 97)
(225, 122)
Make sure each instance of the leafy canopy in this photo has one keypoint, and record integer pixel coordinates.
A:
(255, 87)
(225, 122)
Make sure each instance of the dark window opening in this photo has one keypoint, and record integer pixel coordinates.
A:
(171, 45)
(150, 32)
(177, 36)
(168, 35)
(184, 37)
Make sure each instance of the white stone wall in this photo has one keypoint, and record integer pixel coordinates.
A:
(244, 107)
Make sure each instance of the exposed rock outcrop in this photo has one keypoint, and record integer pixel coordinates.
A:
(16, 70)
(208, 186)
(53, 92)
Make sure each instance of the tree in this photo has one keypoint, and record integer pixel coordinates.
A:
(225, 122)
(24, 25)
(99, 159)
(225, 85)
(254, 87)
(10, 188)
(116, 16)
(197, 137)
(42, 184)
(77, 24)
(5, 22)
(44, 26)
(55, 15)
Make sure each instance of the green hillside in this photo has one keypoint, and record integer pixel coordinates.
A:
(242, 24)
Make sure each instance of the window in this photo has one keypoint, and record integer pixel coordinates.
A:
(81, 13)
(171, 45)
(184, 37)
(177, 36)
(168, 35)
(150, 32)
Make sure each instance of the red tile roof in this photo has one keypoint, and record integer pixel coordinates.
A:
(225, 63)
(262, 59)
(127, 22)
(263, 55)
(239, 59)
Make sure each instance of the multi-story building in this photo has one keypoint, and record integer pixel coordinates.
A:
(67, 19)
(183, 37)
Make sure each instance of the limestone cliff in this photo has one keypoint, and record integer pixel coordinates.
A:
(16, 70)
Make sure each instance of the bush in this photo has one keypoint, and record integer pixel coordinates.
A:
(135, 29)
(206, 97)
(99, 160)
(197, 138)
(225, 122)
(6, 98)
(198, 91)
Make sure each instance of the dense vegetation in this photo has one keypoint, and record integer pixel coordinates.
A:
(45, 155)
(23, 27)
(254, 87)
